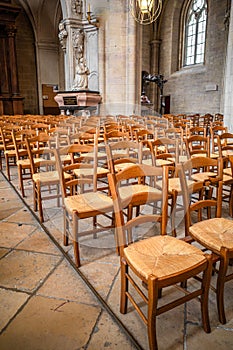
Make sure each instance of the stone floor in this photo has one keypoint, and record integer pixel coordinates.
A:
(46, 303)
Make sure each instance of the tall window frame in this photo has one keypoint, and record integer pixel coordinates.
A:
(195, 33)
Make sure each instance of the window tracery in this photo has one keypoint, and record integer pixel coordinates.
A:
(195, 33)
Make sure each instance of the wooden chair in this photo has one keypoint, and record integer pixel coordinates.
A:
(166, 149)
(122, 154)
(22, 158)
(81, 200)
(214, 234)
(225, 144)
(144, 134)
(198, 145)
(199, 170)
(98, 153)
(44, 174)
(143, 185)
(215, 131)
(148, 265)
(115, 135)
(8, 147)
(228, 182)
(197, 130)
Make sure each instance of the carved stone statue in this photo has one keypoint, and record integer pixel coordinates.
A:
(62, 35)
(78, 43)
(81, 75)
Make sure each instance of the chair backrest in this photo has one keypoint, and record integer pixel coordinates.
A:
(198, 145)
(185, 171)
(197, 130)
(82, 169)
(215, 131)
(143, 173)
(115, 135)
(122, 152)
(144, 134)
(164, 148)
(41, 146)
(225, 144)
(19, 141)
(6, 138)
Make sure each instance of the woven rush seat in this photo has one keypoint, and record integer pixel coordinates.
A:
(85, 203)
(162, 162)
(228, 172)
(26, 162)
(128, 192)
(48, 177)
(203, 176)
(147, 161)
(122, 166)
(227, 153)
(10, 152)
(162, 256)
(174, 184)
(90, 172)
(214, 233)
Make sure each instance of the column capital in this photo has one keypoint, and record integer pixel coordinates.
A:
(155, 42)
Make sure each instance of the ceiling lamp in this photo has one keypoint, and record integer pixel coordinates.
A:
(145, 11)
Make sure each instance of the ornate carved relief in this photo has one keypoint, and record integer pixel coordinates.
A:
(77, 7)
(62, 35)
(81, 70)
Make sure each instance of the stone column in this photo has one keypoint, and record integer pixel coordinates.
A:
(10, 100)
(155, 47)
(228, 104)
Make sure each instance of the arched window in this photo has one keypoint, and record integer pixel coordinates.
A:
(195, 33)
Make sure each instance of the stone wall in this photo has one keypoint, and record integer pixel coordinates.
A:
(228, 105)
(25, 50)
(193, 89)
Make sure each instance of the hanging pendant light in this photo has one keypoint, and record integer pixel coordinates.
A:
(145, 11)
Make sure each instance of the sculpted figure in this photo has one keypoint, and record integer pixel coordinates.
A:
(62, 35)
(81, 75)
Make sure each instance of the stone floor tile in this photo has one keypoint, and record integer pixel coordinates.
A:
(108, 335)
(9, 203)
(4, 251)
(10, 302)
(101, 276)
(50, 324)
(21, 216)
(219, 338)
(66, 284)
(26, 270)
(13, 233)
(38, 241)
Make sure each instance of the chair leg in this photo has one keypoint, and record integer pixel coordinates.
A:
(173, 213)
(66, 228)
(21, 180)
(205, 295)
(124, 287)
(224, 261)
(34, 197)
(8, 168)
(153, 295)
(39, 200)
(75, 240)
(231, 201)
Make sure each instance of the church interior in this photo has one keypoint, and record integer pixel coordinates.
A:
(116, 174)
